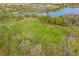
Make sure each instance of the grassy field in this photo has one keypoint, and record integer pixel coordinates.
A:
(31, 37)
(37, 35)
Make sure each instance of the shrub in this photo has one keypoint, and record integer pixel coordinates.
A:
(5, 16)
(2, 43)
(46, 19)
(58, 21)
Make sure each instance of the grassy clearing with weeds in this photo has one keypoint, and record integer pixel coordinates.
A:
(33, 35)
(30, 37)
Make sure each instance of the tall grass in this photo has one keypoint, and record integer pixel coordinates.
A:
(33, 35)
(30, 37)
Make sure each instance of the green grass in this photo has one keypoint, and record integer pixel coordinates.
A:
(30, 37)
(34, 35)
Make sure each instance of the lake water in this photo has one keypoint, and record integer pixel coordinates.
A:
(64, 11)
(61, 12)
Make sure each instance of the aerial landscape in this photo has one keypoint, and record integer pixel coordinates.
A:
(39, 29)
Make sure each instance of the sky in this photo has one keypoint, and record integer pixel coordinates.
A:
(39, 1)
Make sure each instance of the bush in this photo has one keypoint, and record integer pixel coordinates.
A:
(62, 21)
(5, 16)
(70, 21)
(58, 21)
(46, 19)
(2, 43)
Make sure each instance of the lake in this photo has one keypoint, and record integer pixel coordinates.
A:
(65, 11)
